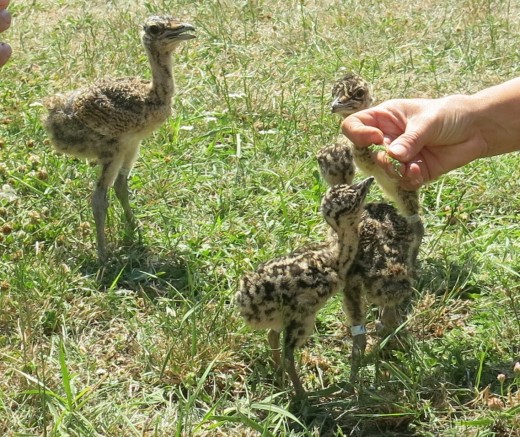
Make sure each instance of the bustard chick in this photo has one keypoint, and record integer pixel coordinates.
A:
(286, 293)
(382, 273)
(336, 163)
(382, 270)
(107, 120)
(350, 94)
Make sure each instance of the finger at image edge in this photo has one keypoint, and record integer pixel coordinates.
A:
(5, 53)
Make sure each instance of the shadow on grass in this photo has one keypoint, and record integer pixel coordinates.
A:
(450, 278)
(138, 268)
(389, 399)
(354, 412)
(386, 409)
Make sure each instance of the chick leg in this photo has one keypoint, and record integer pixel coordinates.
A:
(274, 342)
(294, 336)
(121, 188)
(99, 207)
(290, 339)
(389, 320)
(395, 292)
(100, 204)
(353, 308)
(293, 374)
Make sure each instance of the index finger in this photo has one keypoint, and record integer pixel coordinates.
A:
(4, 4)
(360, 128)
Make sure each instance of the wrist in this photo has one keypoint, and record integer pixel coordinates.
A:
(497, 117)
(481, 124)
(468, 122)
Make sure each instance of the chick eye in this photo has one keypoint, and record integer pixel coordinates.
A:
(360, 93)
(153, 29)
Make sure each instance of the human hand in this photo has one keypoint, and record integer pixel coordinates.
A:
(5, 22)
(429, 136)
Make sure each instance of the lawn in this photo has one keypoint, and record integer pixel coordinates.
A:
(150, 343)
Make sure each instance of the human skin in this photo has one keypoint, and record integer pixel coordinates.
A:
(433, 136)
(5, 22)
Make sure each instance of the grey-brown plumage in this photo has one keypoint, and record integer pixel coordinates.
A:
(107, 120)
(285, 294)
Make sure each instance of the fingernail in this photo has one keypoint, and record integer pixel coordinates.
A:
(397, 149)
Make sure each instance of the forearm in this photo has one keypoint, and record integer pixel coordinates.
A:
(497, 116)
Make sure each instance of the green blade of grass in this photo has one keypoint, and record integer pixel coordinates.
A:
(66, 377)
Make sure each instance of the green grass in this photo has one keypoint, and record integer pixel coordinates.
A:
(150, 344)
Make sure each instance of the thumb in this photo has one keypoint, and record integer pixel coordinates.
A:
(409, 144)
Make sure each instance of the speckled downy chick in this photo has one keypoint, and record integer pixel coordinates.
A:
(350, 94)
(381, 274)
(286, 293)
(382, 271)
(107, 120)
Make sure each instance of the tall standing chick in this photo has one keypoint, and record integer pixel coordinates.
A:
(107, 120)
(286, 293)
(382, 270)
(389, 240)
(350, 94)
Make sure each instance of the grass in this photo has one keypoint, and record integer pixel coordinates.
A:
(150, 343)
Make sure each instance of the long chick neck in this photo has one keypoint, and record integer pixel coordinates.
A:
(163, 84)
(348, 240)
